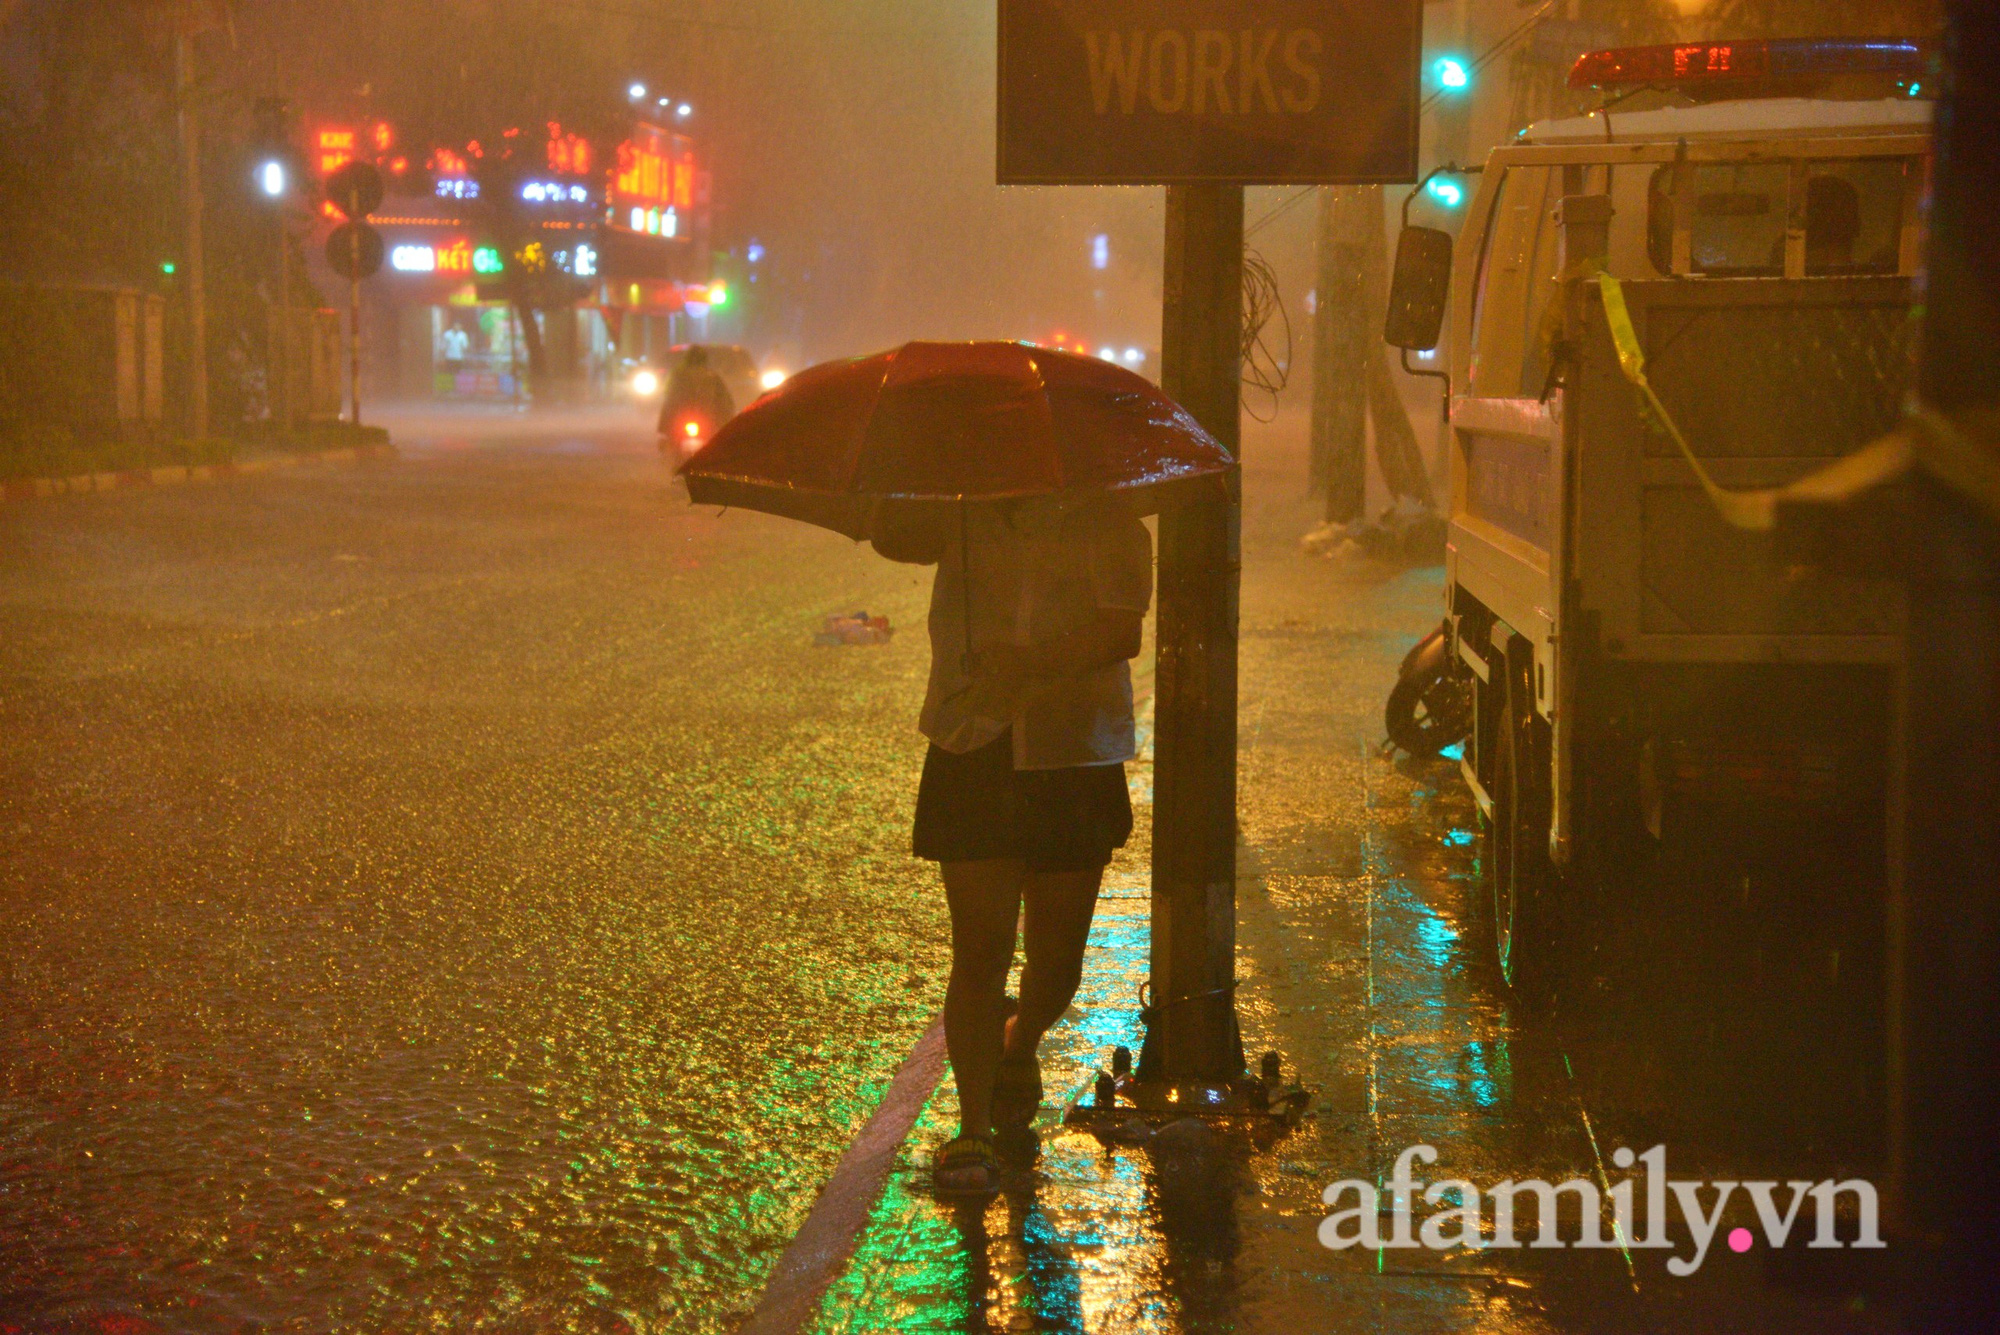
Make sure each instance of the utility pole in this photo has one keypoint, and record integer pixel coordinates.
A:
(1342, 341)
(191, 196)
(1352, 382)
(1192, 1034)
(276, 181)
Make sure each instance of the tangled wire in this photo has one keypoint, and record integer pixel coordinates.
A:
(1262, 369)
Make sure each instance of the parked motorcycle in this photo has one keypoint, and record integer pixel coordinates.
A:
(1431, 706)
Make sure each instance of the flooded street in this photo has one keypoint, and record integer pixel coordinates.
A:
(453, 895)
(1426, 573)
(456, 894)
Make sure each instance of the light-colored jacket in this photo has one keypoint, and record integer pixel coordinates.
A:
(1032, 573)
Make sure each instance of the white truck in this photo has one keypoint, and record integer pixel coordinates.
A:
(1640, 669)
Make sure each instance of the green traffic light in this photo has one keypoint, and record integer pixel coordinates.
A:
(167, 268)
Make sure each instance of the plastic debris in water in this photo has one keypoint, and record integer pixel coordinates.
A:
(854, 628)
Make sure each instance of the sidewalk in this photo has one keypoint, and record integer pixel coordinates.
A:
(1354, 875)
(33, 488)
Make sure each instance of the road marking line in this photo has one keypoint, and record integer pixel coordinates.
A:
(1369, 867)
(1603, 1179)
(823, 1244)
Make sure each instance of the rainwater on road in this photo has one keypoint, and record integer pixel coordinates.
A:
(457, 895)
(452, 895)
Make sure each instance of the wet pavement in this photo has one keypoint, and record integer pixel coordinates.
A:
(1360, 965)
(453, 895)
(456, 895)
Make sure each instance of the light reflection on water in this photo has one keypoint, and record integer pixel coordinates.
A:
(484, 959)
(1074, 1245)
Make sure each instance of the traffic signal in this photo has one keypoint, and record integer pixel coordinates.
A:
(272, 155)
(1453, 75)
(1445, 191)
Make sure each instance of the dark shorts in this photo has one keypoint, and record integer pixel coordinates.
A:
(977, 806)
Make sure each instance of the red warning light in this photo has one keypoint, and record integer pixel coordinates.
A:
(1786, 60)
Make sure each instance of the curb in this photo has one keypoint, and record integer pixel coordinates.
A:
(31, 488)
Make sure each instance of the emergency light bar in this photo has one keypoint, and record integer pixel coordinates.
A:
(1786, 60)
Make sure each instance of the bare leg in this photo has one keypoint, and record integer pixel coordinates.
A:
(1055, 930)
(985, 899)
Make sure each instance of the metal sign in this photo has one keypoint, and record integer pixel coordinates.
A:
(1138, 92)
(355, 189)
(354, 250)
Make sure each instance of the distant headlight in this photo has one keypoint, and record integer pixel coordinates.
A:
(771, 379)
(645, 384)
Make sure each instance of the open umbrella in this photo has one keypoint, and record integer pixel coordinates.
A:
(931, 423)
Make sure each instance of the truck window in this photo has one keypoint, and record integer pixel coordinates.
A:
(1854, 214)
(1507, 274)
(1738, 223)
(1538, 338)
(1634, 251)
(1853, 209)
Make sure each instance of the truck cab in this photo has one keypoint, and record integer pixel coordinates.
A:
(1642, 670)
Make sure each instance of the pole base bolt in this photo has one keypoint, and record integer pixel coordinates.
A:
(1121, 1061)
(1106, 1091)
(1272, 1068)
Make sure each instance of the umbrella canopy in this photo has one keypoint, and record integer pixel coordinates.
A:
(938, 422)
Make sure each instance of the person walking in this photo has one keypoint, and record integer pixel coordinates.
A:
(1036, 608)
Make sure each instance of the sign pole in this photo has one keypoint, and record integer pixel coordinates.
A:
(281, 358)
(1192, 1033)
(354, 323)
(356, 190)
(1203, 97)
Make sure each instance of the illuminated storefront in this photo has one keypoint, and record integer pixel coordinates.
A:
(616, 241)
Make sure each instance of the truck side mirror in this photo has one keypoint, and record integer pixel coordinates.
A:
(1419, 290)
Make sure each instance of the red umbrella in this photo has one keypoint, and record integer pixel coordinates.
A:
(937, 422)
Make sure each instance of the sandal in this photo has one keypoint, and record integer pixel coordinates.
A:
(965, 1167)
(1017, 1092)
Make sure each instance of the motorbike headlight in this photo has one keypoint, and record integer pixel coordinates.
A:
(645, 384)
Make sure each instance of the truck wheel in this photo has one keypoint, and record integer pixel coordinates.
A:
(1516, 864)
